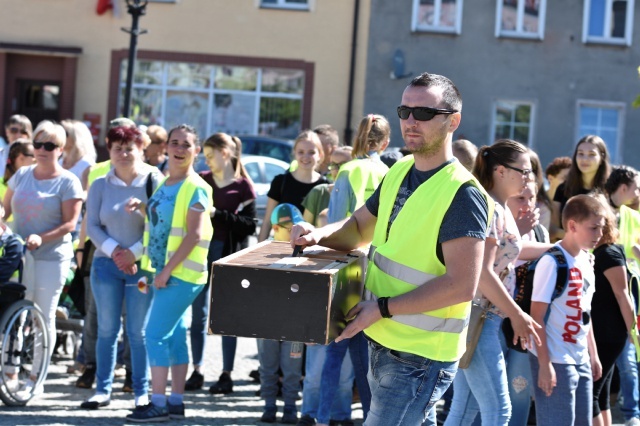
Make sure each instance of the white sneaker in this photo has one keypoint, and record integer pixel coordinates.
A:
(632, 422)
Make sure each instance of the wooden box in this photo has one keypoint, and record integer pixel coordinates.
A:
(264, 292)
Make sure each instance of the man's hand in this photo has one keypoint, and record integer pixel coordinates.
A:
(303, 235)
(362, 316)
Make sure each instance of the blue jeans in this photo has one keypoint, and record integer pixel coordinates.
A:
(520, 385)
(405, 387)
(359, 354)
(629, 395)
(341, 407)
(166, 329)
(274, 354)
(482, 387)
(110, 288)
(200, 309)
(571, 402)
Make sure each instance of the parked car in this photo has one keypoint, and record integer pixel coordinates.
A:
(261, 169)
(267, 146)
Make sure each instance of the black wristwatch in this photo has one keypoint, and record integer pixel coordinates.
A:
(383, 305)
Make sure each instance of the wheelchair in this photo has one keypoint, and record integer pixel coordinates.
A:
(24, 346)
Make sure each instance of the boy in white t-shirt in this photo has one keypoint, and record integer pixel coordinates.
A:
(566, 363)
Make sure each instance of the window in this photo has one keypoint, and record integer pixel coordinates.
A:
(238, 100)
(608, 21)
(443, 16)
(604, 119)
(513, 120)
(521, 18)
(286, 4)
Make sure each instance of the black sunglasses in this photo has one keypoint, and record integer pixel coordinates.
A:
(48, 146)
(422, 113)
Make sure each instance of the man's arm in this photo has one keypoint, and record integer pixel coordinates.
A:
(346, 235)
(463, 257)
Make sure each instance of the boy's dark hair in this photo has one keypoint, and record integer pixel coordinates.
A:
(580, 208)
(620, 175)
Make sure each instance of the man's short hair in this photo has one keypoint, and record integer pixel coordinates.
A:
(121, 122)
(329, 132)
(451, 97)
(620, 175)
(465, 151)
(581, 207)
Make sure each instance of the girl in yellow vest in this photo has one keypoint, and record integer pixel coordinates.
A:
(176, 239)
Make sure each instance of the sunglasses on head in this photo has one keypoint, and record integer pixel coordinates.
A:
(422, 113)
(48, 146)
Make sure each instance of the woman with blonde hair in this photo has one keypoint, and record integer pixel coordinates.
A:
(292, 187)
(234, 210)
(79, 152)
(45, 200)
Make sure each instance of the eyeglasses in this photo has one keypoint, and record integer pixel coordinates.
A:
(523, 172)
(335, 166)
(422, 113)
(48, 146)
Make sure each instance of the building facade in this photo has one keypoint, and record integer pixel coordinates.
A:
(268, 67)
(543, 72)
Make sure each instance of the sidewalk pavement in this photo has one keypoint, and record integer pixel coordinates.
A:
(60, 403)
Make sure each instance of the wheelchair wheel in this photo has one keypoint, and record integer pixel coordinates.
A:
(24, 352)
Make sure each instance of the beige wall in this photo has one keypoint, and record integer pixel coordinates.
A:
(220, 27)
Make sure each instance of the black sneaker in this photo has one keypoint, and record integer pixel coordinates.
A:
(306, 420)
(195, 382)
(128, 382)
(175, 411)
(88, 377)
(255, 375)
(224, 385)
(149, 413)
(269, 415)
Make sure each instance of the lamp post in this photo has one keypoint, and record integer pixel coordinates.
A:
(136, 8)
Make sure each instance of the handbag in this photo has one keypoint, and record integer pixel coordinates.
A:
(476, 321)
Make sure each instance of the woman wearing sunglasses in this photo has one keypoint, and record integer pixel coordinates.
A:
(503, 169)
(45, 200)
(18, 126)
(115, 270)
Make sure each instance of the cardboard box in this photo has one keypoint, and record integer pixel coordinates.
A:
(264, 292)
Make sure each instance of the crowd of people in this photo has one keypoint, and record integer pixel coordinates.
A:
(450, 229)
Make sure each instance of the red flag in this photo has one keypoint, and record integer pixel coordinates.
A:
(103, 6)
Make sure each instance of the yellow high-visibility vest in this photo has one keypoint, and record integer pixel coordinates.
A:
(407, 259)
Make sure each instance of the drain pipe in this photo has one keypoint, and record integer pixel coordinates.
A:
(348, 132)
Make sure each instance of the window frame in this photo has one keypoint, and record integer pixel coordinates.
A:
(532, 119)
(624, 41)
(285, 4)
(456, 29)
(521, 34)
(620, 106)
(118, 56)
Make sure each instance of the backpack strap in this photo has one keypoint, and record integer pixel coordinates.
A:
(539, 233)
(149, 186)
(562, 275)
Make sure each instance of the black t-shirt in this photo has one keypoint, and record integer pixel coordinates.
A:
(467, 215)
(562, 199)
(608, 323)
(287, 189)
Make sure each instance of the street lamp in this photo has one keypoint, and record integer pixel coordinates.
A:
(136, 8)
